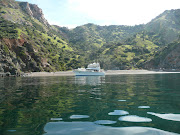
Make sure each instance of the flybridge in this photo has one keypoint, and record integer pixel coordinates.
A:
(93, 66)
(92, 70)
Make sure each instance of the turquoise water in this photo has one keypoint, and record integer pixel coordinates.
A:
(110, 105)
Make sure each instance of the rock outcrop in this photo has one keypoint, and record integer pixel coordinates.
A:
(34, 11)
(18, 55)
(9, 3)
(167, 59)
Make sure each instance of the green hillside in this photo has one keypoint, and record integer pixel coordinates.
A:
(29, 44)
(124, 47)
(130, 54)
(91, 36)
(166, 25)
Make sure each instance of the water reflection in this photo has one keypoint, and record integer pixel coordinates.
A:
(35, 105)
(90, 128)
(90, 80)
(11, 130)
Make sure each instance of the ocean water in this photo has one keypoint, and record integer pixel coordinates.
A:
(110, 105)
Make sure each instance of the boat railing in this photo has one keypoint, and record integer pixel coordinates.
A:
(80, 69)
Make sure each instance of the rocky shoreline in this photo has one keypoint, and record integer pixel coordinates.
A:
(108, 72)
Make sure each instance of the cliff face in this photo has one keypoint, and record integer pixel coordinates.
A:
(34, 11)
(17, 55)
(172, 60)
(8, 60)
(168, 58)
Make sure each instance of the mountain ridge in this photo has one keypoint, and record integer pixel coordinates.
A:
(167, 24)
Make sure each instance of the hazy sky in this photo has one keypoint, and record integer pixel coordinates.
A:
(72, 13)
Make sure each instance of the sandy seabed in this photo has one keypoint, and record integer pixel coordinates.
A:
(108, 72)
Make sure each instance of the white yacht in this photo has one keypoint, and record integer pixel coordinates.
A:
(92, 70)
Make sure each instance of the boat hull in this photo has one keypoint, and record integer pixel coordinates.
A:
(86, 73)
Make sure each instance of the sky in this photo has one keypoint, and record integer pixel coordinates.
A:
(72, 13)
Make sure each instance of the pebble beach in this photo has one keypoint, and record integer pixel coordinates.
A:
(108, 72)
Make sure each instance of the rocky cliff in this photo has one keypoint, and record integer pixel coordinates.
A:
(34, 12)
(18, 55)
(167, 58)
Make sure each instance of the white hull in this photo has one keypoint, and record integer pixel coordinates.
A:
(88, 73)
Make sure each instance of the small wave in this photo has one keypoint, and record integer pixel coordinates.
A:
(118, 112)
(56, 119)
(90, 128)
(134, 118)
(170, 116)
(104, 122)
(78, 116)
(122, 100)
(144, 107)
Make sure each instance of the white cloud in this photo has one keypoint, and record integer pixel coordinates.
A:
(72, 13)
(127, 12)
